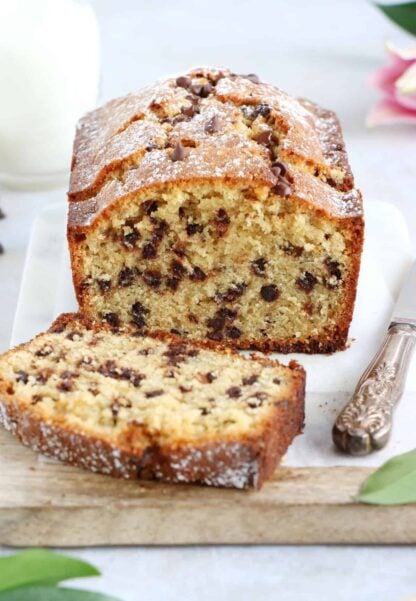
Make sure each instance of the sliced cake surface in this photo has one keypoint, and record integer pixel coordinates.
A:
(217, 207)
(150, 407)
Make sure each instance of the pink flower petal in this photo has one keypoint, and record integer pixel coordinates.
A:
(406, 88)
(388, 111)
(404, 55)
(385, 77)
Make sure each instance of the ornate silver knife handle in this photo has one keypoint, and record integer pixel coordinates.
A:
(365, 422)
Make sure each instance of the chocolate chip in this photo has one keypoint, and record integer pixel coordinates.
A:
(250, 380)
(194, 228)
(257, 399)
(150, 206)
(79, 236)
(65, 385)
(112, 319)
(306, 281)
(259, 266)
(149, 251)
(264, 137)
(331, 182)
(178, 352)
(269, 293)
(277, 381)
(202, 90)
(222, 222)
(210, 377)
(180, 152)
(196, 89)
(204, 411)
(173, 283)
(215, 335)
(282, 188)
(292, 250)
(262, 109)
(197, 275)
(111, 370)
(175, 331)
(22, 376)
(159, 230)
(183, 82)
(185, 389)
(206, 90)
(153, 278)
(126, 277)
(222, 216)
(178, 269)
(139, 312)
(234, 392)
(139, 321)
(104, 285)
(333, 268)
(138, 309)
(233, 332)
(232, 293)
(193, 318)
(279, 168)
(251, 77)
(253, 111)
(216, 323)
(74, 335)
(177, 119)
(129, 240)
(189, 111)
(227, 313)
(44, 351)
(213, 125)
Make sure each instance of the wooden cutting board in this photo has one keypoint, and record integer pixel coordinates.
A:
(43, 503)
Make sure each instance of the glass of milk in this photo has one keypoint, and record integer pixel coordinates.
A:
(49, 77)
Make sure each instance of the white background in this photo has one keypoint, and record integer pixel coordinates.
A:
(322, 49)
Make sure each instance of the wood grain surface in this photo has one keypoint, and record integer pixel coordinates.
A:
(43, 503)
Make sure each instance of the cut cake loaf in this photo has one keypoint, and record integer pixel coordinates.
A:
(216, 207)
(150, 407)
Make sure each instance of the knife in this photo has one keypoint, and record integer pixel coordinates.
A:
(365, 423)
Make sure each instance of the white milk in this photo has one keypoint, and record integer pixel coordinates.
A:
(49, 76)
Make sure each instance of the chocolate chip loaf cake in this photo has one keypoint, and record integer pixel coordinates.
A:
(150, 407)
(216, 207)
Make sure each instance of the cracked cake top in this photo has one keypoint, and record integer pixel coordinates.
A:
(210, 125)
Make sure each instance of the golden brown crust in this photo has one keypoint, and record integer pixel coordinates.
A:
(232, 464)
(139, 131)
(236, 462)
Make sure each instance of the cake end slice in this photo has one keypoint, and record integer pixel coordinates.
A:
(150, 407)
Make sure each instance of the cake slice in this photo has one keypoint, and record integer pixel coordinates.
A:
(150, 407)
(216, 207)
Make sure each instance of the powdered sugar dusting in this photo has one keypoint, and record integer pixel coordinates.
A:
(127, 145)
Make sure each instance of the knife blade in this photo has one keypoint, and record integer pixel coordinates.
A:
(365, 423)
(405, 308)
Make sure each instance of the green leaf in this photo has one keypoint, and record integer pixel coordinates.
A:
(52, 593)
(403, 15)
(394, 483)
(40, 566)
